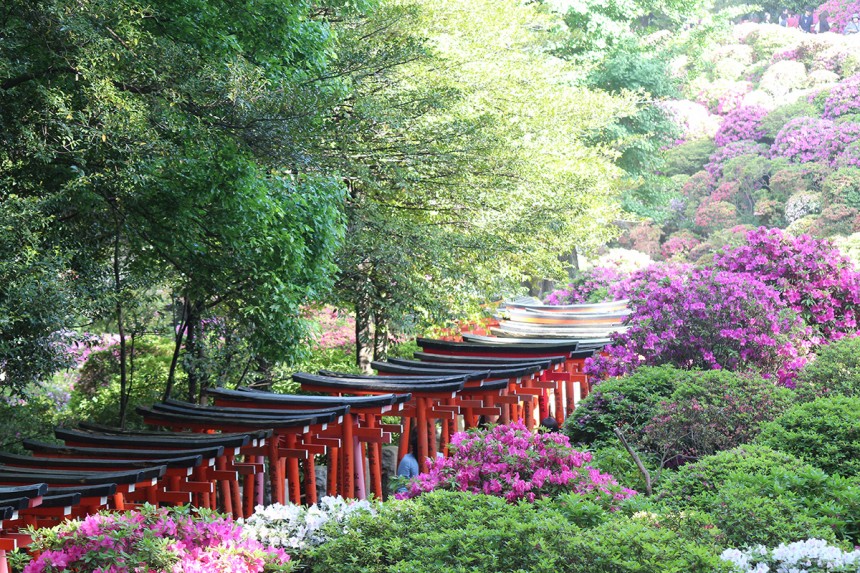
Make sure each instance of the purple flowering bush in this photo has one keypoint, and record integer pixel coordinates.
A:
(702, 318)
(154, 540)
(741, 124)
(840, 12)
(511, 462)
(810, 276)
(806, 139)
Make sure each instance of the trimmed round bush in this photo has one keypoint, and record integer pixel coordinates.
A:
(758, 495)
(688, 158)
(843, 186)
(807, 139)
(712, 411)
(824, 432)
(627, 402)
(774, 121)
(835, 371)
(844, 98)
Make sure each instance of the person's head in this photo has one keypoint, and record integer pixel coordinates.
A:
(785, 11)
(855, 17)
(549, 424)
(808, 11)
(824, 15)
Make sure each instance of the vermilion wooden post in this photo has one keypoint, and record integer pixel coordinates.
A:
(293, 474)
(310, 480)
(403, 446)
(333, 471)
(275, 478)
(348, 459)
(423, 442)
(221, 465)
(373, 458)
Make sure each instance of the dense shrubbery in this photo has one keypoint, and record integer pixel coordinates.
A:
(824, 433)
(758, 495)
(451, 531)
(836, 371)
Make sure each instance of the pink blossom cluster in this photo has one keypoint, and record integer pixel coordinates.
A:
(679, 244)
(843, 99)
(177, 540)
(334, 327)
(510, 461)
(702, 318)
(740, 124)
(808, 139)
(714, 167)
(850, 157)
(811, 276)
(790, 54)
(839, 12)
(591, 284)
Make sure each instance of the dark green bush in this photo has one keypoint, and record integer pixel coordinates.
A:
(824, 432)
(689, 157)
(836, 370)
(759, 495)
(712, 411)
(628, 402)
(461, 532)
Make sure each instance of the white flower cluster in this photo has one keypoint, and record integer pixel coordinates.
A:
(809, 556)
(296, 527)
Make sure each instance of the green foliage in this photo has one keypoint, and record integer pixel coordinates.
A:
(688, 158)
(32, 415)
(97, 393)
(759, 495)
(615, 460)
(449, 531)
(650, 197)
(774, 121)
(639, 137)
(712, 411)
(824, 432)
(628, 402)
(835, 371)
(843, 186)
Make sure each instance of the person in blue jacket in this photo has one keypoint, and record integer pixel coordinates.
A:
(408, 466)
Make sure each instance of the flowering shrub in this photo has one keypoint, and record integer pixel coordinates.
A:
(806, 139)
(679, 245)
(842, 186)
(808, 556)
(850, 156)
(693, 119)
(802, 204)
(299, 528)
(590, 286)
(714, 215)
(332, 327)
(840, 12)
(735, 149)
(835, 371)
(844, 98)
(702, 319)
(157, 540)
(836, 219)
(783, 77)
(644, 237)
(743, 123)
(810, 275)
(513, 463)
(774, 121)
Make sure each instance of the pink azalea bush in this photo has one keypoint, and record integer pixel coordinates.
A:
(843, 99)
(511, 462)
(741, 124)
(840, 12)
(811, 276)
(153, 540)
(809, 139)
(702, 318)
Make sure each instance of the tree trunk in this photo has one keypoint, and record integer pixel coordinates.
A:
(363, 337)
(120, 323)
(192, 352)
(177, 347)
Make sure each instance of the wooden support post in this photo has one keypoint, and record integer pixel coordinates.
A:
(260, 482)
(348, 457)
(310, 480)
(293, 474)
(276, 480)
(226, 493)
(333, 482)
(421, 414)
(374, 458)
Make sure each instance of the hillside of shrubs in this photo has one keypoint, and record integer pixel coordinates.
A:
(768, 134)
